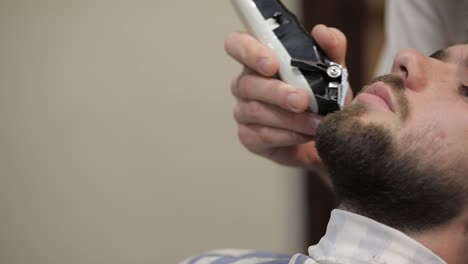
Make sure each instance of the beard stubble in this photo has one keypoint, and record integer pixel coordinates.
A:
(376, 178)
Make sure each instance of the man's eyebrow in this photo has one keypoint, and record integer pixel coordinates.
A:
(441, 55)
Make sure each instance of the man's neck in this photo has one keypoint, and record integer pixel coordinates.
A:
(449, 241)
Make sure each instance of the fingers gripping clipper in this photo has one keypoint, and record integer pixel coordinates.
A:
(302, 63)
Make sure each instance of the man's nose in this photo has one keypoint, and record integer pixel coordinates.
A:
(410, 66)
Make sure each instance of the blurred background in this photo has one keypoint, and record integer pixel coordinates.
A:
(117, 142)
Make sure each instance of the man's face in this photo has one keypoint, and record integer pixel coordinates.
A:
(397, 154)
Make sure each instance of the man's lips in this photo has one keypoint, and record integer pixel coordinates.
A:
(378, 93)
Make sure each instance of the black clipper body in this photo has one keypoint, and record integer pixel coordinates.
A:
(302, 63)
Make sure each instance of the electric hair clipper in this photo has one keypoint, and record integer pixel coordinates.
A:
(302, 63)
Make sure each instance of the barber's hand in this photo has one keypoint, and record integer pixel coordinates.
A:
(271, 117)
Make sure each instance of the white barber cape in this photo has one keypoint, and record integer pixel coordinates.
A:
(350, 239)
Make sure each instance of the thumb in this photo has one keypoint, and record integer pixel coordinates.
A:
(332, 41)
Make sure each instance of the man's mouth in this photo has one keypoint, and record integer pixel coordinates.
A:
(378, 94)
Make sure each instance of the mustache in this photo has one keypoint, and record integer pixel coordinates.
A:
(392, 80)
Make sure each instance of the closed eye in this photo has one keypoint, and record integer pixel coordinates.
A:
(463, 90)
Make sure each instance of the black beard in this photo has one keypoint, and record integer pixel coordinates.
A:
(375, 179)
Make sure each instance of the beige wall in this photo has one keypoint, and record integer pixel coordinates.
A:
(117, 143)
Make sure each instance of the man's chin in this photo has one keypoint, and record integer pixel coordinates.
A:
(344, 136)
(365, 114)
(355, 111)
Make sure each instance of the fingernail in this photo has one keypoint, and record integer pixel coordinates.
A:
(264, 66)
(294, 101)
(314, 122)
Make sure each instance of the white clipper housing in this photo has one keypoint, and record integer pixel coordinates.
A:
(264, 30)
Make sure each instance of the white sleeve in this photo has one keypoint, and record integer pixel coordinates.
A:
(424, 25)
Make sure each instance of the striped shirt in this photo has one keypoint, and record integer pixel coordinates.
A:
(350, 239)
